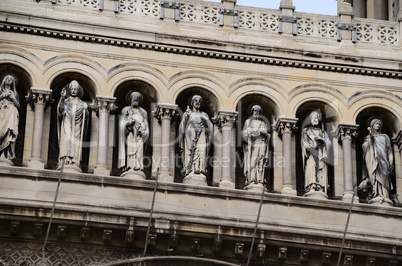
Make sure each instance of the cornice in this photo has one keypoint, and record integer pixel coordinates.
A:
(200, 52)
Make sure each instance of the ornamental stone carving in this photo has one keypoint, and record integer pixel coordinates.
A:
(195, 140)
(9, 117)
(133, 135)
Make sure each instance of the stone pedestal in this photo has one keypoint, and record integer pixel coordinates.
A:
(39, 99)
(346, 134)
(316, 194)
(165, 113)
(380, 201)
(255, 188)
(103, 107)
(285, 128)
(5, 162)
(195, 179)
(226, 120)
(131, 174)
(71, 169)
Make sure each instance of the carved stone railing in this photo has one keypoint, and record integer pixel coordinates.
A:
(258, 19)
(377, 31)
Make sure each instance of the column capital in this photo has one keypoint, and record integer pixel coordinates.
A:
(345, 131)
(398, 140)
(39, 96)
(165, 111)
(285, 125)
(104, 104)
(225, 118)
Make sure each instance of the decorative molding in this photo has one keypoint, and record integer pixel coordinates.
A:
(345, 131)
(266, 60)
(285, 125)
(165, 111)
(39, 96)
(225, 118)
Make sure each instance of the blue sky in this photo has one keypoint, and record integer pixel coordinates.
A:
(326, 7)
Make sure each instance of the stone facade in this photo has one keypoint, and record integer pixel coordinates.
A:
(290, 63)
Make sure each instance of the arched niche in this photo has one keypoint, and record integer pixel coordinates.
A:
(150, 98)
(269, 115)
(210, 106)
(329, 121)
(56, 86)
(391, 126)
(23, 85)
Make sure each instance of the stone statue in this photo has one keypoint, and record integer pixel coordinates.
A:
(72, 114)
(315, 146)
(378, 162)
(195, 139)
(9, 105)
(255, 146)
(133, 135)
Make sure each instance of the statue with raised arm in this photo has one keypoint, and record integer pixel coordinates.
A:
(195, 139)
(72, 114)
(315, 145)
(378, 162)
(9, 105)
(133, 135)
(256, 147)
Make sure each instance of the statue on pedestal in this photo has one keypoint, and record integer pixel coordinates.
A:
(195, 140)
(72, 114)
(9, 105)
(256, 148)
(378, 163)
(133, 135)
(315, 145)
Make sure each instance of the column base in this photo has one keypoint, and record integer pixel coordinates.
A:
(253, 187)
(347, 197)
(165, 176)
(195, 179)
(131, 174)
(288, 190)
(227, 183)
(5, 162)
(101, 170)
(380, 201)
(36, 163)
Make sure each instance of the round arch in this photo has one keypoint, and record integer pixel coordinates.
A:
(122, 73)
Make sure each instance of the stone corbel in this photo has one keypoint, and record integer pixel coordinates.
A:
(173, 5)
(39, 96)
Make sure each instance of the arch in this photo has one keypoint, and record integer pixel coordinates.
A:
(24, 59)
(84, 65)
(170, 260)
(124, 72)
(197, 78)
(381, 99)
(257, 85)
(318, 92)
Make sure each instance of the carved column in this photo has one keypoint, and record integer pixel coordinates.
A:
(398, 161)
(103, 107)
(381, 9)
(226, 120)
(39, 100)
(359, 8)
(164, 113)
(346, 134)
(285, 128)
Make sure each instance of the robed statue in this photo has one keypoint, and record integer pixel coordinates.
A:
(72, 114)
(315, 145)
(9, 105)
(378, 162)
(195, 132)
(255, 147)
(133, 135)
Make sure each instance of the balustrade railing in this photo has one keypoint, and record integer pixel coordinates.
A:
(258, 19)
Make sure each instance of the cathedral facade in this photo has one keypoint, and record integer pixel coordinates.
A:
(192, 132)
